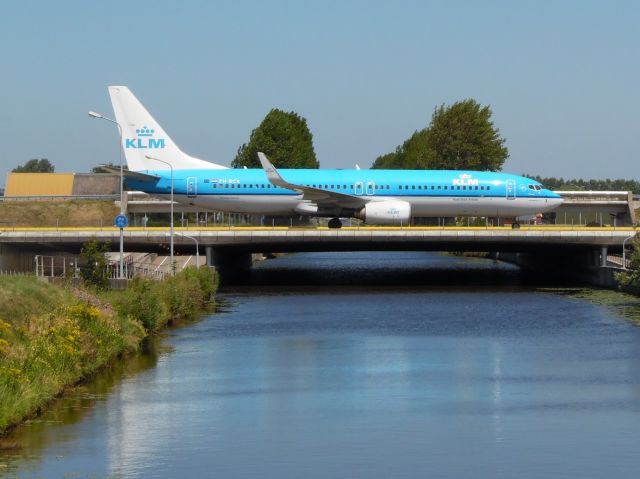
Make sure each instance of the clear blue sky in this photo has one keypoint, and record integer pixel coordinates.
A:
(562, 77)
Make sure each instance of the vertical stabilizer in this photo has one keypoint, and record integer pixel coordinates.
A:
(142, 136)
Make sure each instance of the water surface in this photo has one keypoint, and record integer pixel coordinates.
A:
(362, 365)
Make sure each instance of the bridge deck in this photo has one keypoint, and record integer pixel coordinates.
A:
(322, 239)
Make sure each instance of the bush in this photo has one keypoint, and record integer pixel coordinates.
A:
(94, 264)
(142, 301)
(188, 292)
(630, 281)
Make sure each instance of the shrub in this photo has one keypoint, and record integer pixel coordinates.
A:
(142, 301)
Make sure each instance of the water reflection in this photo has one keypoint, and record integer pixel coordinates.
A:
(457, 369)
(22, 448)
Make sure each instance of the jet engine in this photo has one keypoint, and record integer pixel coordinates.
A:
(385, 213)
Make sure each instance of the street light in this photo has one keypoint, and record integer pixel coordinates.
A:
(98, 116)
(197, 249)
(173, 266)
(624, 261)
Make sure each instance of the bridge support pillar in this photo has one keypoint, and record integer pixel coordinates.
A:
(603, 256)
(208, 250)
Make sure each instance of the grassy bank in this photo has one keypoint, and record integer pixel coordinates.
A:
(52, 337)
(57, 213)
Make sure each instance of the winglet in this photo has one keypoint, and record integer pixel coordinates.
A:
(272, 174)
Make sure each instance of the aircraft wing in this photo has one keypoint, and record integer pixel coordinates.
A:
(318, 196)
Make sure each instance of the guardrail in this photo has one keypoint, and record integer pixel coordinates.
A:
(322, 228)
(67, 267)
(617, 260)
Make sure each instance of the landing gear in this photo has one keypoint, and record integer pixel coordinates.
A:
(515, 225)
(335, 223)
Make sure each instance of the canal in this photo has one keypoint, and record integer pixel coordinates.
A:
(371, 365)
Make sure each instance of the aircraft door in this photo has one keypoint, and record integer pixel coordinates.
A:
(371, 188)
(359, 188)
(510, 186)
(192, 187)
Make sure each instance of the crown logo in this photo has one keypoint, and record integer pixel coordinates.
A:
(465, 176)
(144, 131)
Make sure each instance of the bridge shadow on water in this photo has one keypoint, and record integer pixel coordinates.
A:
(388, 270)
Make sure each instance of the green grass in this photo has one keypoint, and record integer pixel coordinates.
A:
(50, 339)
(624, 304)
(57, 213)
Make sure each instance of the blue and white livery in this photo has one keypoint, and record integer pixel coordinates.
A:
(381, 197)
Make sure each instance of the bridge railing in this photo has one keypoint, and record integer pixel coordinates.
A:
(619, 261)
(56, 266)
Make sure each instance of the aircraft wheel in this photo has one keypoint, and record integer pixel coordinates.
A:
(515, 226)
(335, 223)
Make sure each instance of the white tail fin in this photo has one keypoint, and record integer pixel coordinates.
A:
(143, 137)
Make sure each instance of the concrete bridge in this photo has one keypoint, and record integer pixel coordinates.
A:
(282, 239)
(543, 247)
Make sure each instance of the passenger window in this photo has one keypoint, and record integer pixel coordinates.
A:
(464, 187)
(433, 187)
(400, 187)
(445, 187)
(488, 187)
(413, 187)
(439, 187)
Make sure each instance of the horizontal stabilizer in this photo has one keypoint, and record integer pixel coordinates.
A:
(131, 174)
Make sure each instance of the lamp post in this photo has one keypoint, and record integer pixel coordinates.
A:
(624, 258)
(93, 114)
(173, 266)
(197, 248)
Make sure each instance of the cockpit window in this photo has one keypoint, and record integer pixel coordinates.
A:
(535, 187)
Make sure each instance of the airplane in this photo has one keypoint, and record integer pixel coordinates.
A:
(378, 197)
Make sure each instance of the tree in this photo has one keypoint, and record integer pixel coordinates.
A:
(413, 154)
(630, 280)
(36, 165)
(93, 267)
(464, 138)
(284, 137)
(459, 137)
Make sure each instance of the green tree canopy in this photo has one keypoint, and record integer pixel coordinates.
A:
(284, 137)
(459, 137)
(37, 165)
(578, 184)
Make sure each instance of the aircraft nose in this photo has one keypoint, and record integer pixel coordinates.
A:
(557, 200)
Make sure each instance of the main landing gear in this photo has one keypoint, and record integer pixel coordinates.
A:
(335, 223)
(515, 225)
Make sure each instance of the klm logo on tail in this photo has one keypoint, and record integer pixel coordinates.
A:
(145, 140)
